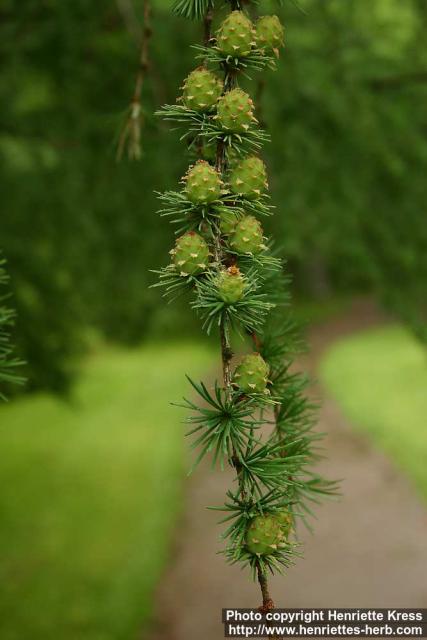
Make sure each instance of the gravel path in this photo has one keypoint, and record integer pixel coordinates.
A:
(369, 548)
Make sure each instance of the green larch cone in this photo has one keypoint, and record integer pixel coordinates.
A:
(227, 221)
(249, 178)
(191, 254)
(251, 375)
(203, 183)
(231, 285)
(247, 236)
(236, 35)
(286, 521)
(264, 535)
(201, 90)
(235, 111)
(270, 34)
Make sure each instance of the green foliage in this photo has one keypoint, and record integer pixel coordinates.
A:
(76, 230)
(241, 514)
(192, 9)
(248, 312)
(345, 112)
(243, 288)
(224, 423)
(350, 168)
(256, 60)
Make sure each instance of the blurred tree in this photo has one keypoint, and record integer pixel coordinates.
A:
(8, 362)
(352, 97)
(79, 236)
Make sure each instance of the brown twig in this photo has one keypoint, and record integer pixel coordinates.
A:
(259, 101)
(267, 602)
(207, 26)
(130, 135)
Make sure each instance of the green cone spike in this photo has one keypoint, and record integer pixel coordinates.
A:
(201, 90)
(247, 236)
(263, 535)
(203, 183)
(231, 285)
(235, 111)
(251, 375)
(191, 254)
(270, 34)
(249, 178)
(236, 35)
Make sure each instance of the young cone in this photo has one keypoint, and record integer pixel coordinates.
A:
(191, 254)
(264, 535)
(270, 34)
(235, 111)
(251, 375)
(247, 236)
(248, 178)
(201, 90)
(231, 285)
(236, 35)
(203, 183)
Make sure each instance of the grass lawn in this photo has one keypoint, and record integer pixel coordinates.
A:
(89, 492)
(379, 378)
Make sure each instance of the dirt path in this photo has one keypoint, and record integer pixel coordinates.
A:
(369, 549)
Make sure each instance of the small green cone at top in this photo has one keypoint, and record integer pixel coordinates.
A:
(231, 285)
(270, 34)
(236, 35)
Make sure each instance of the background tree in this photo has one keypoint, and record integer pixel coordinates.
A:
(348, 173)
(8, 362)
